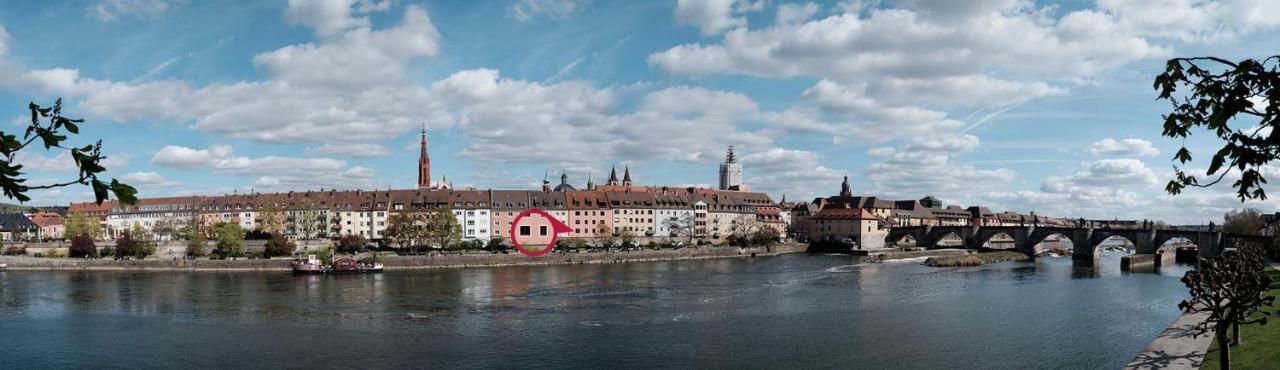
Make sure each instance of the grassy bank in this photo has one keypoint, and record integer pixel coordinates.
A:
(1261, 343)
(975, 259)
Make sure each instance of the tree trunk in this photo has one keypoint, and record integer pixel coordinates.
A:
(1235, 334)
(1224, 348)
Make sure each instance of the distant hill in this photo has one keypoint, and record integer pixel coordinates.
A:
(17, 208)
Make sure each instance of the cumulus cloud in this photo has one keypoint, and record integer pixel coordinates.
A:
(1132, 147)
(797, 173)
(147, 179)
(112, 10)
(358, 150)
(360, 58)
(1193, 20)
(792, 13)
(329, 17)
(715, 16)
(275, 171)
(528, 10)
(922, 165)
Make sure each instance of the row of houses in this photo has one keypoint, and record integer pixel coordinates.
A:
(35, 225)
(641, 211)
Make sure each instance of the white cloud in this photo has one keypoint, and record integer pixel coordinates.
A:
(274, 171)
(528, 10)
(329, 17)
(923, 166)
(147, 179)
(112, 10)
(4, 41)
(1194, 20)
(360, 58)
(831, 108)
(1132, 147)
(358, 150)
(798, 173)
(792, 13)
(715, 16)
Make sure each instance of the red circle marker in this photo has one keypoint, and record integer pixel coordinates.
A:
(553, 228)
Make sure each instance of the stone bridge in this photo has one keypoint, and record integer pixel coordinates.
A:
(1085, 241)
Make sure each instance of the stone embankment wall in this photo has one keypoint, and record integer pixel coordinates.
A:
(397, 262)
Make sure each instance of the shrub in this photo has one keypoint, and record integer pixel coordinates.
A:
(125, 245)
(195, 244)
(107, 251)
(82, 247)
(230, 240)
(351, 243)
(279, 246)
(15, 251)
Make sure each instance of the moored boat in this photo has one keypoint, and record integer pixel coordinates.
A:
(313, 265)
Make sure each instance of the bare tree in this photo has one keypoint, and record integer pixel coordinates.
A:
(1243, 221)
(682, 227)
(1230, 287)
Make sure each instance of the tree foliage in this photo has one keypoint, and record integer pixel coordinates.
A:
(270, 220)
(404, 229)
(80, 224)
(230, 239)
(442, 228)
(1239, 103)
(1243, 221)
(195, 243)
(278, 246)
(51, 129)
(351, 243)
(82, 246)
(1230, 287)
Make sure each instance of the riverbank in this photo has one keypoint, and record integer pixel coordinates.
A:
(1259, 343)
(402, 262)
(900, 255)
(976, 259)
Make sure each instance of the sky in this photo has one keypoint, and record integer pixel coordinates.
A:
(1016, 105)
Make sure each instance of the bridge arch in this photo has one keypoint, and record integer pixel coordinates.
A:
(946, 238)
(984, 238)
(1102, 237)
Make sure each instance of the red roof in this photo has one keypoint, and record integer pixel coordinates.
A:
(832, 213)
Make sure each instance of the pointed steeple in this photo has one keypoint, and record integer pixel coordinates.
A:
(626, 176)
(564, 177)
(546, 185)
(590, 186)
(424, 162)
(613, 176)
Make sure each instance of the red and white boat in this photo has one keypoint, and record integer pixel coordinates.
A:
(313, 265)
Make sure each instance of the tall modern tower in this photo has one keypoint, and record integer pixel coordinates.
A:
(730, 172)
(424, 164)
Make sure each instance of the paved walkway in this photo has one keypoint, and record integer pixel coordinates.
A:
(1176, 348)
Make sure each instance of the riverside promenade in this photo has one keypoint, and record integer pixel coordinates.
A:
(477, 260)
(1176, 348)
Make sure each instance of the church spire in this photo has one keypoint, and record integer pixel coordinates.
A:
(613, 176)
(424, 163)
(626, 176)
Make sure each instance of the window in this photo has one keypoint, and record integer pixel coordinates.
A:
(525, 230)
(542, 230)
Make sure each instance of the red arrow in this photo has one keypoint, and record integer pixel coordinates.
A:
(557, 228)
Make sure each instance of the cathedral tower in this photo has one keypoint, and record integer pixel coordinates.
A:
(424, 164)
(730, 172)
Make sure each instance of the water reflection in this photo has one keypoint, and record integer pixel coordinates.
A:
(638, 315)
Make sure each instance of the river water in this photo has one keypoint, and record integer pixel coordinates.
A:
(790, 311)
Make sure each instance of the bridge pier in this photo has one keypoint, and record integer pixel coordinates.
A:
(1082, 246)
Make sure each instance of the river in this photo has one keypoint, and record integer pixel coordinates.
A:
(790, 311)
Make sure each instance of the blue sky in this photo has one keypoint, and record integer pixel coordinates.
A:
(1028, 106)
